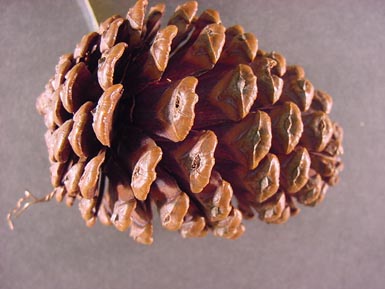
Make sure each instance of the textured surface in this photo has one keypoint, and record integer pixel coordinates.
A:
(338, 244)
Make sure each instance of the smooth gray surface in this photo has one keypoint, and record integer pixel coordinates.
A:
(340, 244)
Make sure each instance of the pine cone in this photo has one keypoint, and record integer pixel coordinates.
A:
(185, 119)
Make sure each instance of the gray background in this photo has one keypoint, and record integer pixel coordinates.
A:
(340, 244)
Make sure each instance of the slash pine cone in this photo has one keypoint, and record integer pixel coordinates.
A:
(191, 121)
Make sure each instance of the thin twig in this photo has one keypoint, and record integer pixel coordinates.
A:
(28, 200)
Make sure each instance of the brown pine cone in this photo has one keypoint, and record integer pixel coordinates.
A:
(184, 120)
